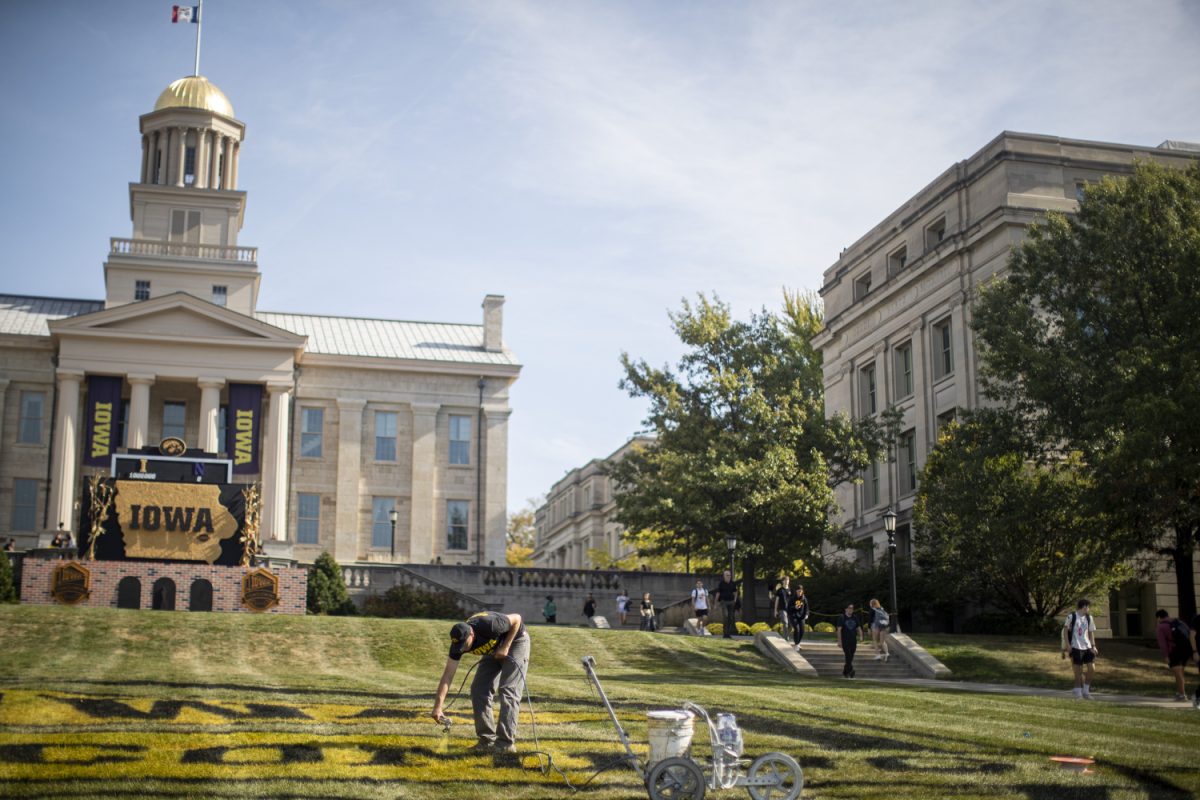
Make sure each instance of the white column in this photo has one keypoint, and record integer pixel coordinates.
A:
(215, 161)
(210, 407)
(495, 482)
(958, 332)
(64, 460)
(139, 410)
(237, 151)
(422, 536)
(3, 394)
(180, 155)
(227, 167)
(143, 178)
(275, 463)
(201, 158)
(349, 472)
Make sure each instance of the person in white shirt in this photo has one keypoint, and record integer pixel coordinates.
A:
(622, 606)
(700, 606)
(1079, 639)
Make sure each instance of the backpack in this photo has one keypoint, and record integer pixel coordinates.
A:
(882, 618)
(1071, 620)
(1180, 632)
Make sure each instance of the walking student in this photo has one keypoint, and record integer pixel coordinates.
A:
(622, 606)
(780, 603)
(589, 606)
(1079, 638)
(502, 643)
(799, 612)
(1174, 639)
(700, 606)
(847, 633)
(879, 630)
(727, 596)
(649, 621)
(550, 610)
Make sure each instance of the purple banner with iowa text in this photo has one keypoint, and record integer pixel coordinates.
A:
(103, 420)
(243, 426)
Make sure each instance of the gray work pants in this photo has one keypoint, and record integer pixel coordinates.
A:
(507, 678)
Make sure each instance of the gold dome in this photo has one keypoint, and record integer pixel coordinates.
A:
(194, 91)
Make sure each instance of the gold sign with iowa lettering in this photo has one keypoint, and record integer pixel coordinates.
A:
(181, 521)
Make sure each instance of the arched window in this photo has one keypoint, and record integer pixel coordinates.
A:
(200, 596)
(129, 593)
(162, 598)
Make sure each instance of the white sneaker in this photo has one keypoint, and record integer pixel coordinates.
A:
(877, 658)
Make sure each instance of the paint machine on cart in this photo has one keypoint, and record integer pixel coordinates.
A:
(671, 773)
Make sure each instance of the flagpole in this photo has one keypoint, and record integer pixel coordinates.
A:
(199, 25)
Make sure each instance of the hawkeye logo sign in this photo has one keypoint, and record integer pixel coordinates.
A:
(184, 521)
(260, 590)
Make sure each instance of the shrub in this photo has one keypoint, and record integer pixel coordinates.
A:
(8, 589)
(997, 623)
(715, 628)
(743, 629)
(759, 627)
(823, 627)
(327, 590)
(408, 601)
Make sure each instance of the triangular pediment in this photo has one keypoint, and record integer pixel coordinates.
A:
(176, 317)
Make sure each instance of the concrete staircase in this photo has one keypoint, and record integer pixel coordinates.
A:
(827, 659)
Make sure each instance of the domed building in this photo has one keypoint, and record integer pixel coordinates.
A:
(376, 440)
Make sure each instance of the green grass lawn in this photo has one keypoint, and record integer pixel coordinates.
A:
(107, 703)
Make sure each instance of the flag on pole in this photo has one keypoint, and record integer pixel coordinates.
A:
(185, 14)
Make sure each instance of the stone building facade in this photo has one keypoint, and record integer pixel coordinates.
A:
(359, 418)
(578, 516)
(898, 314)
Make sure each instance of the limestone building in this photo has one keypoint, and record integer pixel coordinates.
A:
(898, 314)
(342, 421)
(578, 515)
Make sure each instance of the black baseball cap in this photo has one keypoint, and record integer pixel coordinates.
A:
(458, 634)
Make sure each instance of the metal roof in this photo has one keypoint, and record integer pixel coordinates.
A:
(338, 336)
(389, 338)
(27, 316)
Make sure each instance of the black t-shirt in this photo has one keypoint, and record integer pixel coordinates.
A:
(849, 624)
(783, 594)
(487, 629)
(799, 609)
(726, 591)
(647, 606)
(589, 608)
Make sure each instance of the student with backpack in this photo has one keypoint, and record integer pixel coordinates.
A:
(1175, 641)
(1079, 638)
(879, 631)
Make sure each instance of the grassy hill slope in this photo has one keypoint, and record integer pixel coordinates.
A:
(107, 703)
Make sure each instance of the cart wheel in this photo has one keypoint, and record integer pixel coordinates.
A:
(676, 779)
(785, 777)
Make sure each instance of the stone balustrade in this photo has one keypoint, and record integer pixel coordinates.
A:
(209, 252)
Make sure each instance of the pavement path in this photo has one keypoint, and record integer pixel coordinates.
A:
(1033, 691)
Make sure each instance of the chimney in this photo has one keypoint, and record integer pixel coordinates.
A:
(493, 322)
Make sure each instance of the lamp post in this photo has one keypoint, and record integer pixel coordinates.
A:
(889, 525)
(393, 515)
(731, 545)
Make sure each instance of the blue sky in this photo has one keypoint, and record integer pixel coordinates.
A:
(594, 162)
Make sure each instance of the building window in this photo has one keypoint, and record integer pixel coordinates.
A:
(587, 497)
(904, 544)
(904, 370)
(174, 419)
(460, 440)
(185, 226)
(312, 429)
(1080, 190)
(24, 508)
(943, 350)
(935, 233)
(123, 425)
(141, 290)
(867, 393)
(308, 519)
(189, 166)
(385, 435)
(871, 486)
(907, 452)
(220, 296)
(33, 409)
(457, 512)
(898, 260)
(381, 521)
(862, 286)
(866, 553)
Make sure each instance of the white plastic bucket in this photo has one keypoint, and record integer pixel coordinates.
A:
(669, 732)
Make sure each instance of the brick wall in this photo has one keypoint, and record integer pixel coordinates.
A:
(105, 575)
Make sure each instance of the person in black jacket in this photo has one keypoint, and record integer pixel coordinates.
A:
(589, 606)
(798, 611)
(847, 633)
(727, 595)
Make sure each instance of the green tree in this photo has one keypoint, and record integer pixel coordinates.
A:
(1093, 334)
(521, 536)
(8, 587)
(326, 589)
(742, 446)
(1003, 523)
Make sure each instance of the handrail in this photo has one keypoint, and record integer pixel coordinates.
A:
(158, 247)
(358, 576)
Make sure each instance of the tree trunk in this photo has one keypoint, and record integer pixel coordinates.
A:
(749, 591)
(1185, 578)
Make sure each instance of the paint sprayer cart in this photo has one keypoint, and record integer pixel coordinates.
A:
(671, 774)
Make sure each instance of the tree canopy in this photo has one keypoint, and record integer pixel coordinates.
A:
(1093, 336)
(742, 446)
(521, 536)
(1001, 522)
